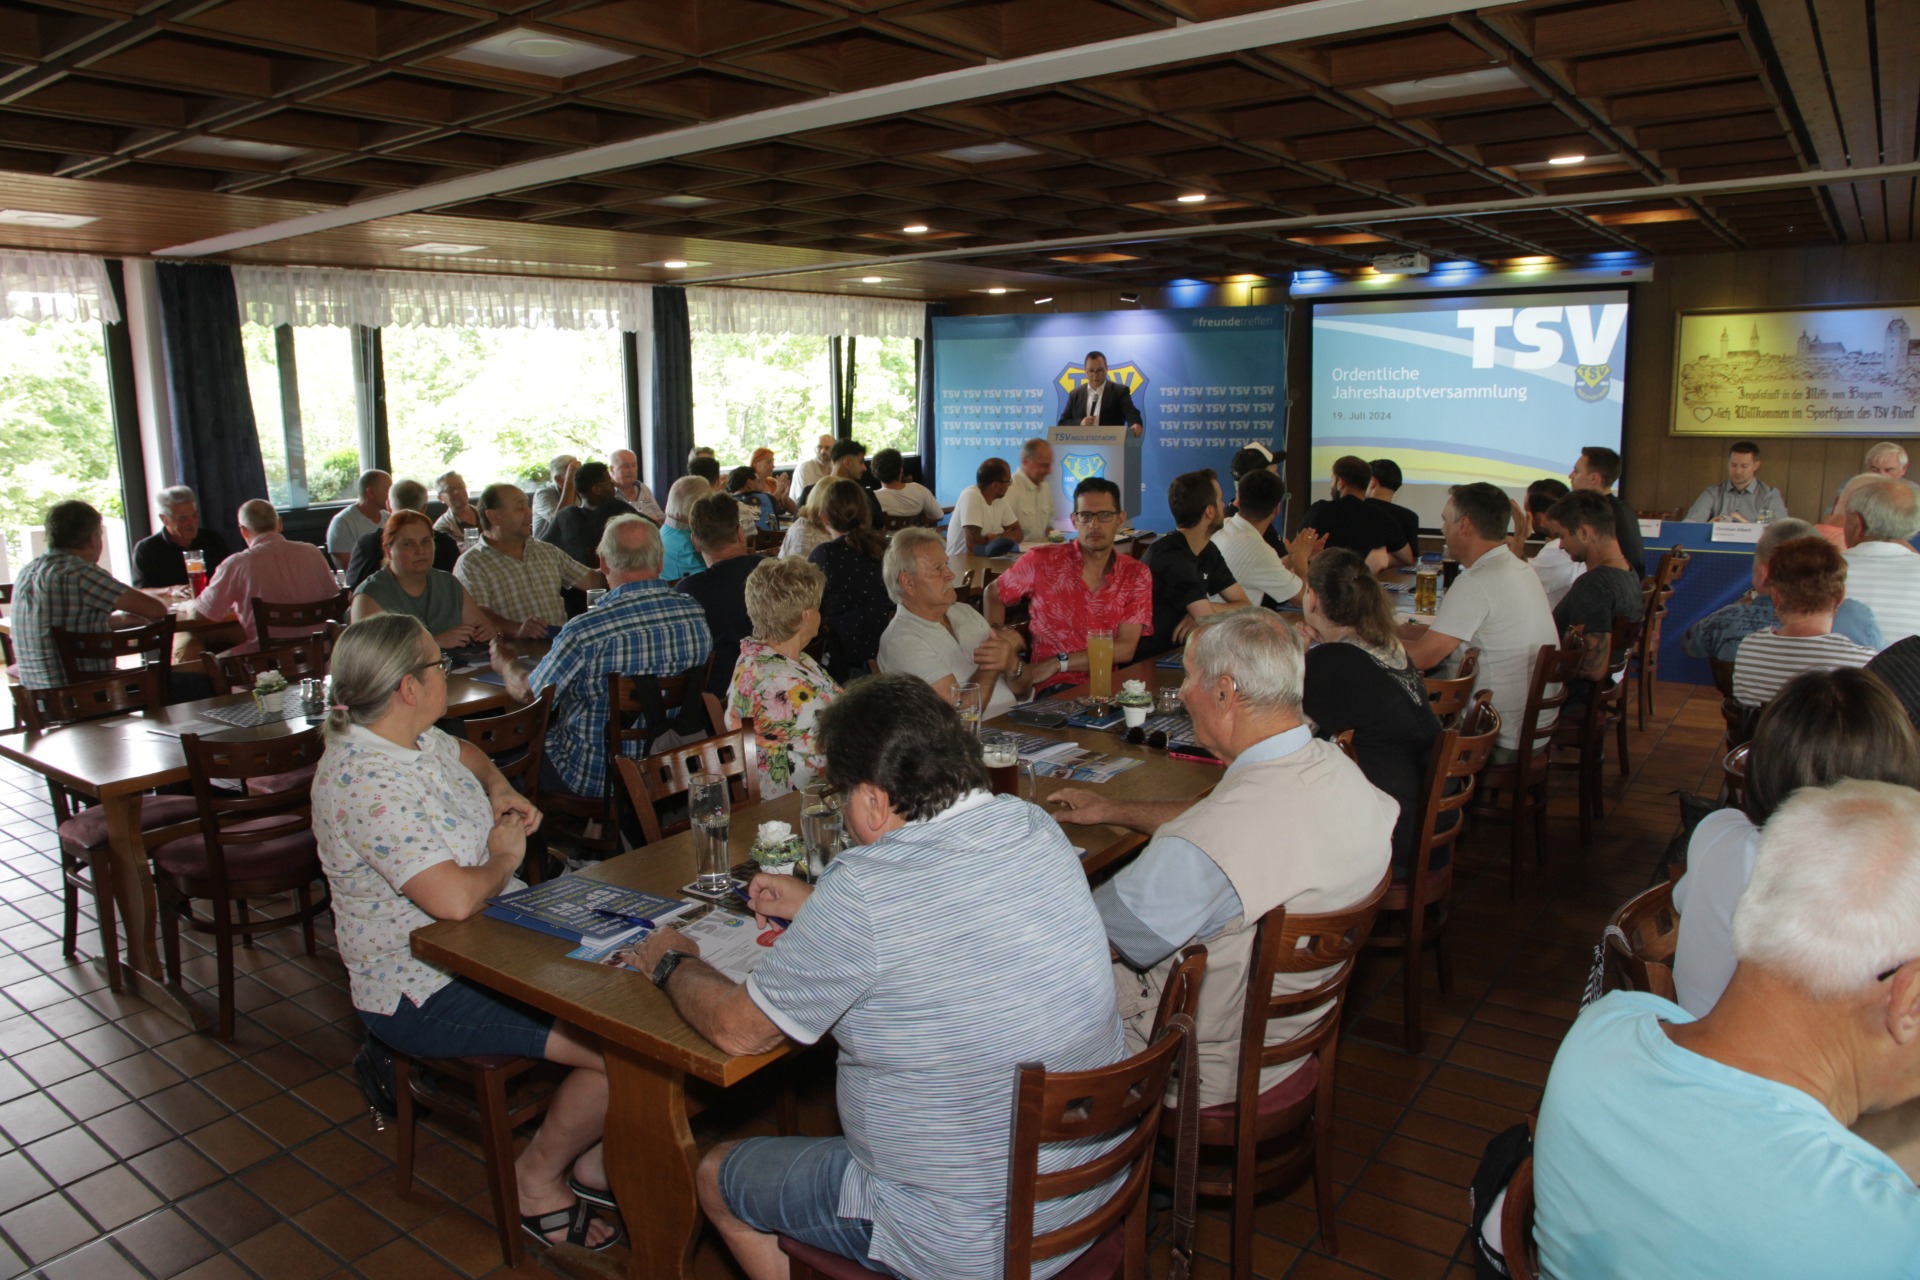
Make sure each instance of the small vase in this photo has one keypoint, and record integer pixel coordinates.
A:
(1136, 716)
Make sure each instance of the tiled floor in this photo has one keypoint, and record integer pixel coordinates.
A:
(131, 1148)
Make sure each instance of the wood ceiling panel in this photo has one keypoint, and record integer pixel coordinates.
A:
(1583, 29)
(1656, 69)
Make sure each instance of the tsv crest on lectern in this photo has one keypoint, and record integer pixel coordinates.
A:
(1083, 466)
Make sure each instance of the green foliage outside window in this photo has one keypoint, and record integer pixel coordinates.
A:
(56, 426)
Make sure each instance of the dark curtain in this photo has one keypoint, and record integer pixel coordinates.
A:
(929, 421)
(672, 386)
(215, 444)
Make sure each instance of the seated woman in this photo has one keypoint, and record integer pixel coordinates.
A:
(679, 558)
(855, 604)
(775, 685)
(1359, 677)
(808, 530)
(414, 826)
(743, 485)
(410, 584)
(774, 486)
(1808, 581)
(1822, 727)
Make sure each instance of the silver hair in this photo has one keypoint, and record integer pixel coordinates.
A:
(903, 556)
(1777, 532)
(1263, 656)
(558, 467)
(1885, 448)
(258, 516)
(174, 495)
(369, 661)
(686, 491)
(440, 483)
(1034, 446)
(1849, 853)
(1887, 506)
(629, 554)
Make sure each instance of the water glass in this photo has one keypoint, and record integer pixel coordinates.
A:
(710, 808)
(340, 576)
(966, 700)
(595, 595)
(822, 827)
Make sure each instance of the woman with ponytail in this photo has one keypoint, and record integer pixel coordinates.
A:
(856, 606)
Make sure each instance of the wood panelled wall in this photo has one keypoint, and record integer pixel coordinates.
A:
(1663, 472)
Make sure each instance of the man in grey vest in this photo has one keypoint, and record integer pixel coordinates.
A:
(1292, 823)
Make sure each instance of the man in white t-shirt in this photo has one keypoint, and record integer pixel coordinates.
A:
(365, 516)
(900, 497)
(945, 643)
(1496, 605)
(1030, 496)
(1882, 514)
(818, 467)
(1551, 564)
(983, 524)
(1242, 542)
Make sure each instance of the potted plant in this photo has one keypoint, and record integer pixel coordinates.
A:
(1135, 702)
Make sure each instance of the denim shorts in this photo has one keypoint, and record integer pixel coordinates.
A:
(791, 1187)
(461, 1020)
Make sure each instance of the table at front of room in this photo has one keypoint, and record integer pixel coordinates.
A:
(651, 1156)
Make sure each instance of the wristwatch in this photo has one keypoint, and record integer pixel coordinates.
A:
(1060, 659)
(668, 963)
(1019, 666)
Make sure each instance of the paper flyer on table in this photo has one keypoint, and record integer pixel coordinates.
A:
(729, 941)
(1072, 761)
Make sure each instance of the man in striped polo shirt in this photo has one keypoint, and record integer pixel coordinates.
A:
(956, 940)
(1881, 515)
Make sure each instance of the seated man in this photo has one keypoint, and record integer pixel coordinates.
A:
(272, 568)
(850, 463)
(899, 497)
(1742, 497)
(818, 467)
(1191, 581)
(555, 496)
(721, 588)
(1347, 521)
(158, 561)
(983, 523)
(1600, 597)
(1808, 581)
(1882, 515)
(1258, 457)
(1268, 577)
(624, 466)
(945, 643)
(1551, 564)
(1718, 635)
(65, 587)
(1597, 468)
(1381, 491)
(368, 553)
(1293, 823)
(365, 516)
(461, 517)
(514, 579)
(1030, 497)
(1078, 586)
(940, 874)
(576, 529)
(642, 627)
(1668, 1146)
(757, 509)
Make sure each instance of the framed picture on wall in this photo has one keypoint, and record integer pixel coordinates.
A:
(1806, 371)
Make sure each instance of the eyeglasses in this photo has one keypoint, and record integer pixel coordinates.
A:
(1095, 517)
(444, 662)
(1889, 973)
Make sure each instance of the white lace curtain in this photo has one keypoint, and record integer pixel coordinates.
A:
(55, 286)
(772, 312)
(304, 296)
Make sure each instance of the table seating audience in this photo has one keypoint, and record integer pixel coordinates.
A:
(1882, 515)
(1807, 580)
(641, 627)
(1267, 576)
(1597, 468)
(158, 560)
(1718, 635)
(1606, 592)
(776, 686)
(362, 517)
(624, 466)
(556, 495)
(721, 587)
(1381, 491)
(1358, 677)
(982, 523)
(1347, 521)
(856, 604)
(1029, 493)
(1823, 726)
(676, 535)
(515, 579)
(899, 497)
(940, 640)
(461, 518)
(576, 529)
(1496, 605)
(1077, 586)
(410, 584)
(65, 587)
(1191, 580)
(1551, 564)
(370, 552)
(1215, 867)
(1670, 1146)
(819, 466)
(808, 529)
(415, 826)
(271, 567)
(938, 869)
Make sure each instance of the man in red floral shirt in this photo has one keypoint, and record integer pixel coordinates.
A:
(1076, 586)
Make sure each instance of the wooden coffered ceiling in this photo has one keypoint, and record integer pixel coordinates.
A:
(178, 122)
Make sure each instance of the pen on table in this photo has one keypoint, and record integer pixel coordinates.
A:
(741, 894)
(621, 915)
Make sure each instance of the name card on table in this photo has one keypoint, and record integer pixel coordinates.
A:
(1741, 532)
(1650, 528)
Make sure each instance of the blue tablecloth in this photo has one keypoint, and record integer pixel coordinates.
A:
(1719, 574)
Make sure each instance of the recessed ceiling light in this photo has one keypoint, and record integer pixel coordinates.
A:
(539, 46)
(917, 229)
(681, 201)
(33, 218)
(1464, 84)
(441, 247)
(1568, 160)
(984, 152)
(1043, 301)
(871, 279)
(247, 147)
(996, 290)
(1192, 199)
(675, 264)
(541, 52)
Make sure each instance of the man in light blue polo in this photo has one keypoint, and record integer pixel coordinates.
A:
(956, 940)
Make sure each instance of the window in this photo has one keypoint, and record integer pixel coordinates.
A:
(56, 434)
(307, 408)
(499, 404)
(751, 391)
(886, 394)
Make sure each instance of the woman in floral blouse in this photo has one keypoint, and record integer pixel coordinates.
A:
(775, 686)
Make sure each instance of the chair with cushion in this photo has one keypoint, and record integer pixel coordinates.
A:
(273, 620)
(1522, 783)
(1637, 947)
(664, 777)
(515, 741)
(242, 846)
(1449, 695)
(296, 660)
(83, 653)
(1453, 770)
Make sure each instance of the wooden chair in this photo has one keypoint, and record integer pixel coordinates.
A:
(1522, 783)
(296, 660)
(1516, 1225)
(1449, 696)
(81, 824)
(1637, 948)
(1583, 742)
(1733, 774)
(302, 616)
(81, 652)
(1453, 770)
(1658, 604)
(766, 540)
(1344, 741)
(666, 775)
(515, 741)
(242, 846)
(894, 524)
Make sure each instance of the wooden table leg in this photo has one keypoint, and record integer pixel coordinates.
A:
(131, 883)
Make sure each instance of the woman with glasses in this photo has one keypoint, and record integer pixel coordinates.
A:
(415, 826)
(410, 584)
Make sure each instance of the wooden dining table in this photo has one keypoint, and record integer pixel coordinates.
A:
(651, 1051)
(117, 759)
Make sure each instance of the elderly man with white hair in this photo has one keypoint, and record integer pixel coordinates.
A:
(1668, 1146)
(1293, 823)
(1879, 516)
(942, 641)
(160, 560)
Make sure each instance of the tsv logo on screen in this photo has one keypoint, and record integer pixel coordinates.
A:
(1083, 466)
(1540, 337)
(1129, 376)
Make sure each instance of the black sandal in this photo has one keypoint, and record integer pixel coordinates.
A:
(576, 1219)
(598, 1197)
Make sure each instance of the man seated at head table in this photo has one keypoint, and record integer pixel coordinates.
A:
(641, 627)
(1191, 580)
(1742, 496)
(943, 879)
(1669, 1146)
(1077, 586)
(946, 643)
(515, 579)
(1216, 866)
(362, 518)
(65, 587)
(370, 553)
(273, 568)
(1718, 635)
(160, 561)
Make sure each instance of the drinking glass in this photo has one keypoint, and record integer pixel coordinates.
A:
(1007, 773)
(710, 809)
(966, 700)
(196, 562)
(340, 576)
(1167, 701)
(1100, 664)
(595, 595)
(822, 828)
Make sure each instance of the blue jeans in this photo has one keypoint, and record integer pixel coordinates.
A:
(791, 1187)
(461, 1020)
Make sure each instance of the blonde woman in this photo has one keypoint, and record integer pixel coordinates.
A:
(676, 538)
(809, 530)
(776, 685)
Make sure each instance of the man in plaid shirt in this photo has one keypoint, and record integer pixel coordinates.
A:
(641, 627)
(67, 588)
(515, 580)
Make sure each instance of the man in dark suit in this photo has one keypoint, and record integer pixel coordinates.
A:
(1097, 402)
